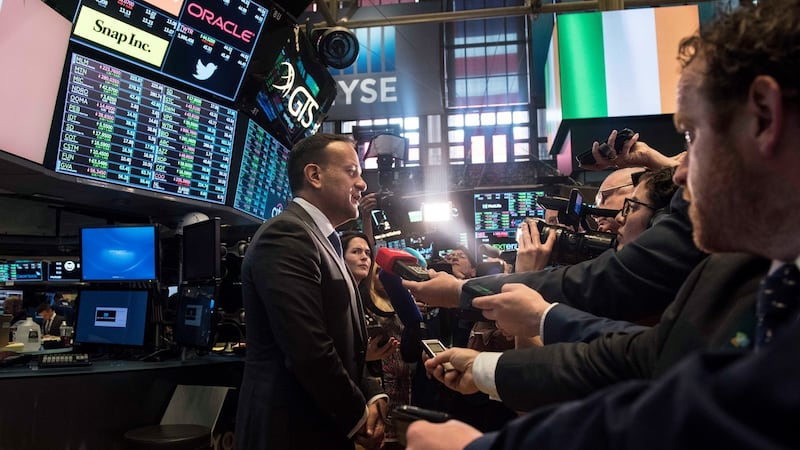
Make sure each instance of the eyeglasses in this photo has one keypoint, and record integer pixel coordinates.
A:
(629, 202)
(602, 196)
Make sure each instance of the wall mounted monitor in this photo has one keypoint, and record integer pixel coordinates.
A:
(66, 270)
(262, 186)
(119, 127)
(290, 93)
(498, 214)
(113, 317)
(22, 270)
(202, 259)
(206, 44)
(194, 326)
(31, 75)
(119, 253)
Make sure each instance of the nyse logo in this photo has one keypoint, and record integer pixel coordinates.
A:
(377, 58)
(299, 102)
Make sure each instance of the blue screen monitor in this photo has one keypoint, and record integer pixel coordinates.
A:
(119, 253)
(114, 317)
(194, 325)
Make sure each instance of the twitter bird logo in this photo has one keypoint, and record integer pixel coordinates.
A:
(204, 71)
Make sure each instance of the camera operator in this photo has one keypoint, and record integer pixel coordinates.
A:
(635, 283)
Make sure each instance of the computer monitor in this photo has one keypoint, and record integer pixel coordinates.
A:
(114, 317)
(201, 251)
(119, 253)
(498, 215)
(65, 270)
(194, 324)
(21, 270)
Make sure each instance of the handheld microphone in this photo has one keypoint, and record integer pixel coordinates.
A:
(401, 300)
(490, 251)
(400, 263)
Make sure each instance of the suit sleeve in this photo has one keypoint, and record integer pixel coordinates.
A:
(564, 323)
(291, 285)
(633, 284)
(712, 400)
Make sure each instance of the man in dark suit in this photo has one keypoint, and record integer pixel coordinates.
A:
(739, 109)
(305, 385)
(50, 320)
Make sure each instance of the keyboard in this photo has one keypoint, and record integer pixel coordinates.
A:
(60, 360)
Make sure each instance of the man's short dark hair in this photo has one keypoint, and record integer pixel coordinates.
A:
(310, 150)
(660, 187)
(750, 41)
(42, 307)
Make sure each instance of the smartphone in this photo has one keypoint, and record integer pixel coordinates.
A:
(433, 347)
(377, 332)
(402, 416)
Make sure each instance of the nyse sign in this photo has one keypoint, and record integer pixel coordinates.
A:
(369, 90)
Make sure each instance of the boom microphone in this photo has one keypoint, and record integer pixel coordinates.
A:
(400, 263)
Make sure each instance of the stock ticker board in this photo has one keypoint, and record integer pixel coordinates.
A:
(123, 128)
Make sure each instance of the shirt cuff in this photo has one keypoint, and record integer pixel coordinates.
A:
(483, 369)
(366, 413)
(541, 322)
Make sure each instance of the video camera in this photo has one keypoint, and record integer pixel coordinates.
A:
(574, 246)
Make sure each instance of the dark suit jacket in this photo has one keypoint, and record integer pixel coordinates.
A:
(564, 323)
(304, 385)
(725, 400)
(714, 309)
(635, 283)
(54, 326)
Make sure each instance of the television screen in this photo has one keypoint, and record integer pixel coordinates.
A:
(21, 271)
(193, 320)
(119, 127)
(288, 94)
(499, 214)
(262, 188)
(67, 270)
(111, 317)
(206, 44)
(119, 253)
(31, 75)
(201, 251)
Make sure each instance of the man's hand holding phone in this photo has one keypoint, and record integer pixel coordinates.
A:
(460, 379)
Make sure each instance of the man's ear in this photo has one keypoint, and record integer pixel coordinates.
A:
(313, 175)
(766, 102)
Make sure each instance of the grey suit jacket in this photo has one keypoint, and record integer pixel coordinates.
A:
(713, 310)
(304, 384)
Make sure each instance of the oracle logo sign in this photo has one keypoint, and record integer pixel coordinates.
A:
(228, 26)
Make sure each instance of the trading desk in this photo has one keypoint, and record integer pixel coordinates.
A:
(92, 407)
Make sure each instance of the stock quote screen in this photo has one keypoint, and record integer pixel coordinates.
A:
(499, 214)
(125, 129)
(21, 270)
(206, 44)
(262, 189)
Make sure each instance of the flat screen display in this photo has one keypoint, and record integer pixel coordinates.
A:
(121, 253)
(122, 128)
(290, 93)
(499, 214)
(206, 44)
(31, 75)
(67, 270)
(262, 188)
(21, 271)
(193, 321)
(111, 317)
(201, 251)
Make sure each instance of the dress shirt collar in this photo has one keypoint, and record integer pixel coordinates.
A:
(776, 264)
(317, 216)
